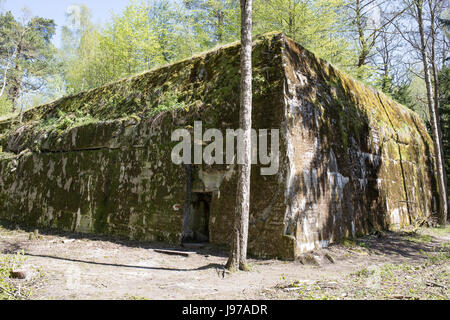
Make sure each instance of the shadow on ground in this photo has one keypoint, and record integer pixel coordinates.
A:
(409, 245)
(18, 246)
(404, 244)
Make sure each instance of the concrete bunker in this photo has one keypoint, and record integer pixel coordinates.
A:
(100, 161)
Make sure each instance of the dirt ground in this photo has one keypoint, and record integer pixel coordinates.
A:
(403, 265)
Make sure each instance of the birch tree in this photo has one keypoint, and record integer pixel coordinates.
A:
(434, 113)
(370, 18)
(238, 252)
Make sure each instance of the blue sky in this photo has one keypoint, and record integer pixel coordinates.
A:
(56, 9)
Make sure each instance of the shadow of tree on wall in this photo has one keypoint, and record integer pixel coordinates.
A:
(345, 185)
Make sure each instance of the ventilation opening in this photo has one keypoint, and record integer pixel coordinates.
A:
(199, 214)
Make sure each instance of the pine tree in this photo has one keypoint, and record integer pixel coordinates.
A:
(26, 55)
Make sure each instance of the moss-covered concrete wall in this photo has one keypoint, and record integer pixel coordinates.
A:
(359, 162)
(351, 160)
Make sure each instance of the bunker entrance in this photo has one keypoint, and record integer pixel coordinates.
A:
(199, 214)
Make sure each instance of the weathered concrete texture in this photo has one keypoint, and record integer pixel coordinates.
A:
(358, 161)
(351, 160)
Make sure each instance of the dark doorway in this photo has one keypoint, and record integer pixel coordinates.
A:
(199, 217)
(201, 203)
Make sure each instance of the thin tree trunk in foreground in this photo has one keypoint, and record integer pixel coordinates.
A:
(433, 12)
(434, 119)
(238, 252)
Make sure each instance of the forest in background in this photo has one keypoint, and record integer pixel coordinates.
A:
(375, 41)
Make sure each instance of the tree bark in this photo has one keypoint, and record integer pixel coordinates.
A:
(434, 119)
(434, 11)
(238, 252)
(361, 38)
(5, 74)
(220, 17)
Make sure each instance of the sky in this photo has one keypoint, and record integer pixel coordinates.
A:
(56, 9)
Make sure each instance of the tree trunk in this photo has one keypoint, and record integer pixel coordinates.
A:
(433, 12)
(15, 88)
(5, 73)
(238, 252)
(361, 38)
(15, 92)
(220, 17)
(434, 119)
